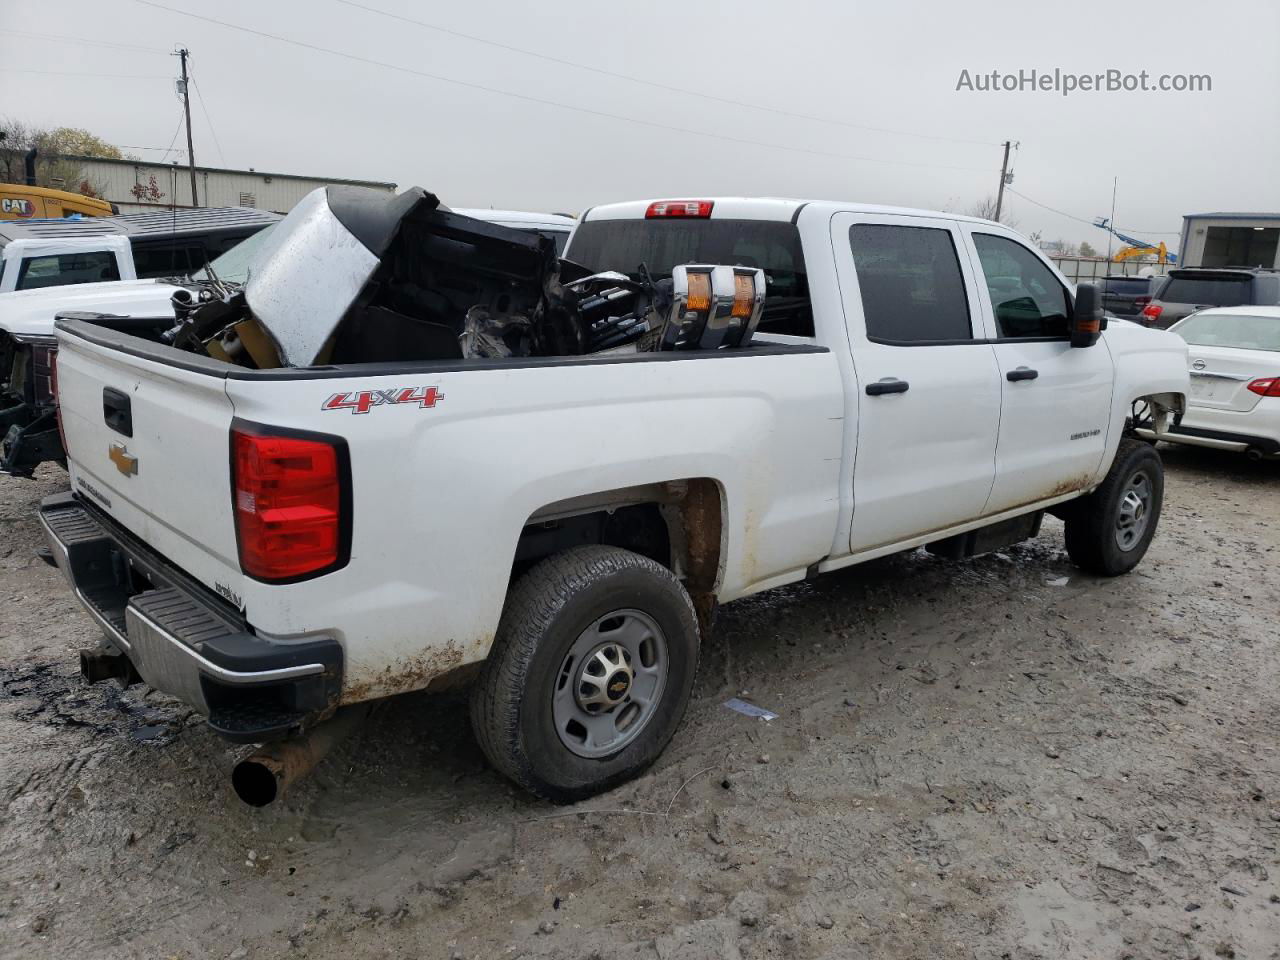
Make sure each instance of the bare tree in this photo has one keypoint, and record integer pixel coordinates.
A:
(985, 209)
(56, 150)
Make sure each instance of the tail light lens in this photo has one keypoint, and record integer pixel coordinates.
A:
(1266, 387)
(679, 208)
(292, 504)
(1151, 312)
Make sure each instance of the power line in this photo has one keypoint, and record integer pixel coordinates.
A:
(84, 41)
(99, 76)
(546, 102)
(1090, 223)
(652, 83)
(207, 118)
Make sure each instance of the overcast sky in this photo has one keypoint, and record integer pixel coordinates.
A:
(851, 64)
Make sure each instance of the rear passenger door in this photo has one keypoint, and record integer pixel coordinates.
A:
(927, 398)
(1056, 403)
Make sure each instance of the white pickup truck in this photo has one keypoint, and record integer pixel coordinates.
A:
(272, 544)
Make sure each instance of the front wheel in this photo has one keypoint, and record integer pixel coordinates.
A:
(1108, 532)
(590, 672)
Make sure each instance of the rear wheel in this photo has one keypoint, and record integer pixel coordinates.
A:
(590, 672)
(1109, 531)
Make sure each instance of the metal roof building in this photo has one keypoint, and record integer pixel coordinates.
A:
(138, 185)
(1230, 240)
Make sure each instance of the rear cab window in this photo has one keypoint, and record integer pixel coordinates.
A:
(661, 244)
(911, 285)
(60, 269)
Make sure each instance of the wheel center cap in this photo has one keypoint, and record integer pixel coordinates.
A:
(618, 685)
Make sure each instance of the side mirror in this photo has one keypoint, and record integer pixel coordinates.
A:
(1086, 316)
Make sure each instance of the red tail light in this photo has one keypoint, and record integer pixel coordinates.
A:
(1151, 312)
(679, 208)
(291, 497)
(1266, 387)
(1141, 301)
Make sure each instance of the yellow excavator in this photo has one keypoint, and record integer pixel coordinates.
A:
(21, 202)
(1136, 247)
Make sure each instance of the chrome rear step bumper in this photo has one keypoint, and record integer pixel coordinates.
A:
(185, 640)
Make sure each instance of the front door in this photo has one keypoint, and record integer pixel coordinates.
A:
(1056, 405)
(927, 397)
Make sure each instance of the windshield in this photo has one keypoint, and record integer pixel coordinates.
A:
(233, 266)
(773, 246)
(1211, 329)
(1214, 291)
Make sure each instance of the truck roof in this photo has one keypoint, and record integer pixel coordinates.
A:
(202, 221)
(762, 208)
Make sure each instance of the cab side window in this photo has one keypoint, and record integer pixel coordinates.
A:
(912, 288)
(1028, 300)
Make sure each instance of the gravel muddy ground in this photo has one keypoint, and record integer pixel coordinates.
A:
(997, 758)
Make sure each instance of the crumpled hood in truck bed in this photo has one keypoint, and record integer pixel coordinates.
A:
(345, 253)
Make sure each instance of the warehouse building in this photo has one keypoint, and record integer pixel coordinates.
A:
(1230, 240)
(136, 185)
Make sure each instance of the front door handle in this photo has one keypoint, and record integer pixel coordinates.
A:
(1022, 373)
(887, 385)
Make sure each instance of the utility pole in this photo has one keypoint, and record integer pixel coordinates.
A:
(1004, 176)
(191, 153)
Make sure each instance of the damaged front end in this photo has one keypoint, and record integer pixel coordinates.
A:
(353, 276)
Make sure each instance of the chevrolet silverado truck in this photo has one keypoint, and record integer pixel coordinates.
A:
(272, 544)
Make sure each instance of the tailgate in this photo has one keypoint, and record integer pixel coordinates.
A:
(147, 442)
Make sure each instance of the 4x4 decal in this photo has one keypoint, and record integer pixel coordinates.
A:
(362, 401)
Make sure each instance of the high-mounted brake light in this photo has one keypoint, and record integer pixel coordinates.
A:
(1152, 312)
(679, 208)
(291, 503)
(1266, 387)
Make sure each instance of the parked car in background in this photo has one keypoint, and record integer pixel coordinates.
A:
(1125, 296)
(166, 243)
(28, 432)
(1185, 291)
(1234, 403)
(555, 226)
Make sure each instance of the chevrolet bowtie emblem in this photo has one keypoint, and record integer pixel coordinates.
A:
(124, 463)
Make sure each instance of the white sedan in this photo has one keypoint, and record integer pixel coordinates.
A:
(1234, 402)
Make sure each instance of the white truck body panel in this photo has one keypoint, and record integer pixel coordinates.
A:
(30, 313)
(813, 473)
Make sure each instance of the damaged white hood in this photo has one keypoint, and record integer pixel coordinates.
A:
(305, 279)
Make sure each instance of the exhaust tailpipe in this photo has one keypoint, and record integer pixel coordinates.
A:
(263, 776)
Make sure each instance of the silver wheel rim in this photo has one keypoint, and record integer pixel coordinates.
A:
(1134, 512)
(610, 683)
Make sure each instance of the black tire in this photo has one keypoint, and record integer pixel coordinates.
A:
(546, 611)
(1093, 543)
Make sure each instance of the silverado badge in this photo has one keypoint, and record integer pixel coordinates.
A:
(124, 463)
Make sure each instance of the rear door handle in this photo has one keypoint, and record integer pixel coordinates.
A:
(117, 411)
(1022, 373)
(888, 385)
